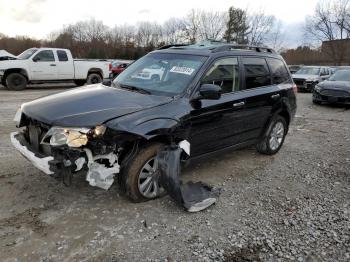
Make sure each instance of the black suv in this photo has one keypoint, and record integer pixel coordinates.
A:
(206, 97)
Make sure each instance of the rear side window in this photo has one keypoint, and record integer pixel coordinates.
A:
(257, 73)
(62, 55)
(279, 71)
(224, 73)
(45, 56)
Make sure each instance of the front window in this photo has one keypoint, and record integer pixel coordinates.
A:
(308, 71)
(161, 74)
(341, 75)
(27, 54)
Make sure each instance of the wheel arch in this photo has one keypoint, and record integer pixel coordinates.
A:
(95, 70)
(16, 70)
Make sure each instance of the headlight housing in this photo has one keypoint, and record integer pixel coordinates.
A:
(72, 137)
(317, 88)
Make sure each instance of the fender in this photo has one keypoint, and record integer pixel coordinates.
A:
(150, 128)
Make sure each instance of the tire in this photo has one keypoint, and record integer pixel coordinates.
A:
(130, 180)
(16, 81)
(316, 102)
(94, 78)
(79, 82)
(274, 137)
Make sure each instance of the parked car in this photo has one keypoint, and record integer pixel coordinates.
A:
(42, 65)
(294, 68)
(334, 90)
(210, 97)
(307, 77)
(117, 67)
(154, 73)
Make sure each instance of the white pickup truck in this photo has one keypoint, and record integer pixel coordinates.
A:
(43, 65)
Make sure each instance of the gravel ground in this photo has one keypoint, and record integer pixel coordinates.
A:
(294, 206)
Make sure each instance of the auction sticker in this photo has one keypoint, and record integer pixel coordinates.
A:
(182, 70)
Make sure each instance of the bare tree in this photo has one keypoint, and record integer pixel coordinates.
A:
(260, 27)
(212, 25)
(174, 30)
(192, 24)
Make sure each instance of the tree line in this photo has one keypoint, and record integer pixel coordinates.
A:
(94, 39)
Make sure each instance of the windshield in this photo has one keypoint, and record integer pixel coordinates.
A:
(160, 73)
(308, 71)
(341, 75)
(28, 53)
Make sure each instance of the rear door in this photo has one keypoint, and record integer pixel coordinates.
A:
(260, 95)
(43, 66)
(65, 67)
(217, 124)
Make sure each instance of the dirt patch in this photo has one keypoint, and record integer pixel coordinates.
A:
(29, 218)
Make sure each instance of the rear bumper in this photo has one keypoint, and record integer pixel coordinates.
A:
(40, 162)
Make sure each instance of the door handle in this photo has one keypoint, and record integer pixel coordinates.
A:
(52, 64)
(275, 96)
(238, 104)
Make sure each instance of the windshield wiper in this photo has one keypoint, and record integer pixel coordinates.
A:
(134, 88)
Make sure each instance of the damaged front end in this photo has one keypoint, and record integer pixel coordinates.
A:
(63, 151)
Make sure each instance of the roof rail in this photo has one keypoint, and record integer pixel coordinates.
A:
(174, 45)
(228, 47)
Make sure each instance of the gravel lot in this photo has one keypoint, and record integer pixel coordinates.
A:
(291, 206)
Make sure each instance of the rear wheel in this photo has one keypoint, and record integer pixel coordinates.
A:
(139, 179)
(273, 140)
(93, 78)
(16, 81)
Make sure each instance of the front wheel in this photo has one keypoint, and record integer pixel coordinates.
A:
(273, 140)
(139, 178)
(16, 81)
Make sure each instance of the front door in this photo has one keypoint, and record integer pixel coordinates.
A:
(217, 124)
(43, 66)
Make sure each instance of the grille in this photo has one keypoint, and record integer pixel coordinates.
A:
(299, 82)
(335, 93)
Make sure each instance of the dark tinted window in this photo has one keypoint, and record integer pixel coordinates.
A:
(62, 55)
(279, 71)
(224, 73)
(256, 72)
(45, 56)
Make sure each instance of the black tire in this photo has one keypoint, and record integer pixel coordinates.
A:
(265, 146)
(316, 102)
(129, 176)
(94, 78)
(79, 82)
(16, 81)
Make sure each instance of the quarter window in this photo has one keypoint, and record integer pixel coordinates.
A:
(224, 73)
(279, 71)
(45, 56)
(256, 72)
(62, 56)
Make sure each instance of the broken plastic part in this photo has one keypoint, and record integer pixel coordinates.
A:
(185, 145)
(79, 163)
(98, 174)
(193, 196)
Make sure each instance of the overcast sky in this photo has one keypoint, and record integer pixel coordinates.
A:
(37, 18)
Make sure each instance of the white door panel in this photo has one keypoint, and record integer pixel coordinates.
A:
(43, 66)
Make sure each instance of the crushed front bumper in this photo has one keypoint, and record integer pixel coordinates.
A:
(39, 161)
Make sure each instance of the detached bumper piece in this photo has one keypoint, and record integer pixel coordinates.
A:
(39, 161)
(193, 196)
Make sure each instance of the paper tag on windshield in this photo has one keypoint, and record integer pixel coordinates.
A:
(182, 70)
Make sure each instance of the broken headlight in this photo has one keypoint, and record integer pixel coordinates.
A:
(72, 137)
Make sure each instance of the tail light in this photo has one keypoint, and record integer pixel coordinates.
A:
(295, 88)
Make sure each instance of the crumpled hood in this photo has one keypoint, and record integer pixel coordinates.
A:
(339, 85)
(305, 77)
(89, 106)
(6, 64)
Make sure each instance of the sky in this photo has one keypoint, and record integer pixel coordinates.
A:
(37, 18)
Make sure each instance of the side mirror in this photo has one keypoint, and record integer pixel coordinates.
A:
(210, 92)
(107, 82)
(36, 59)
